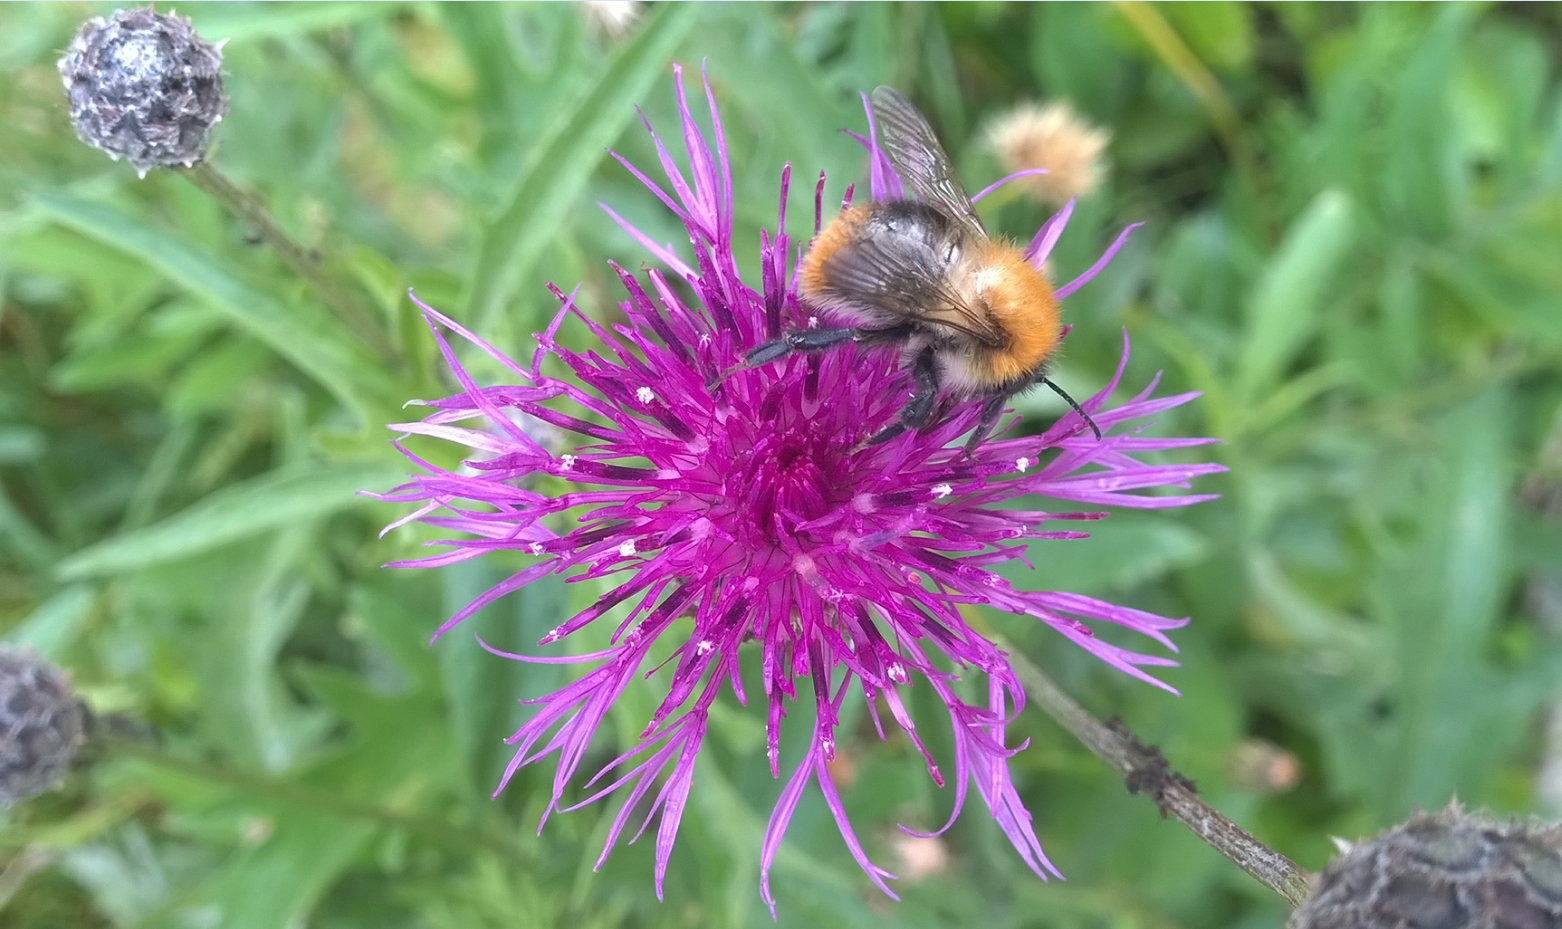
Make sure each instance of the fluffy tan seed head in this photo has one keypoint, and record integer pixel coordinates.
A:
(1052, 137)
(615, 18)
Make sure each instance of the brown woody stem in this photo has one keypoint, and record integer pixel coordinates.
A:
(307, 265)
(1144, 769)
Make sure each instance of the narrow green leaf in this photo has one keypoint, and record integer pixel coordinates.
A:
(275, 885)
(252, 714)
(1445, 601)
(1219, 33)
(21, 538)
(564, 160)
(53, 625)
(1423, 180)
(316, 342)
(257, 505)
(244, 23)
(482, 689)
(1287, 308)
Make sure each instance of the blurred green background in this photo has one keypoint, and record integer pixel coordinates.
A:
(1353, 245)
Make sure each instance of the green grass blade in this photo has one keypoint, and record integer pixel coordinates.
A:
(565, 159)
(315, 342)
(1287, 310)
(242, 510)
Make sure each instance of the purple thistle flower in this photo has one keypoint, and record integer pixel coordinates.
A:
(751, 509)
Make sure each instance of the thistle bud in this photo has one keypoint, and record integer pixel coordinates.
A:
(1052, 137)
(41, 724)
(1450, 870)
(145, 87)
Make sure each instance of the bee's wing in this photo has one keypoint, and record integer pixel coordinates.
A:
(905, 136)
(899, 277)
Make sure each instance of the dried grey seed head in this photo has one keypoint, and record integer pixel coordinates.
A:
(1446, 870)
(144, 86)
(41, 724)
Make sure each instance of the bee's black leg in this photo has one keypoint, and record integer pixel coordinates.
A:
(813, 340)
(800, 340)
(990, 413)
(917, 411)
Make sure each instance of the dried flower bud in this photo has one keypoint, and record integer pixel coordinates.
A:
(41, 724)
(1447, 870)
(144, 86)
(1051, 137)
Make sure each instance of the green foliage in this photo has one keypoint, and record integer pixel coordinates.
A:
(1353, 219)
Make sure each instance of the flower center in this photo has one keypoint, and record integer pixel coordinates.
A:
(794, 479)
(799, 487)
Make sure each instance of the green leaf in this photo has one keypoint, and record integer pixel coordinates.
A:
(1219, 33)
(268, 502)
(52, 626)
(483, 689)
(244, 23)
(1423, 181)
(1454, 711)
(564, 160)
(316, 342)
(21, 538)
(1286, 310)
(252, 714)
(275, 886)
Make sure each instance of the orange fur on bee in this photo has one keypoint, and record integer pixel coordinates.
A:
(1020, 301)
(841, 229)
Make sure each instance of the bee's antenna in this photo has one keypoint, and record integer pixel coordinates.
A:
(1077, 408)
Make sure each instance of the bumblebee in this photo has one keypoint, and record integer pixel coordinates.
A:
(968, 311)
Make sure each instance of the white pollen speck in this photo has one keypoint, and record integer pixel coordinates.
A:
(557, 630)
(940, 491)
(627, 549)
(566, 462)
(897, 673)
(813, 322)
(828, 745)
(536, 548)
(1022, 464)
(704, 646)
(645, 395)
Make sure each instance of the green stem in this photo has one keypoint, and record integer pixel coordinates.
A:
(1145, 771)
(216, 184)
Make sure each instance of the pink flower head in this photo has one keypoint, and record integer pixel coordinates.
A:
(751, 509)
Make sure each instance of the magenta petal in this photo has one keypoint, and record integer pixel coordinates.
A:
(1026, 172)
(1040, 248)
(1099, 266)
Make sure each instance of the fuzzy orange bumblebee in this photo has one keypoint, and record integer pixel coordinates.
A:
(969, 312)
